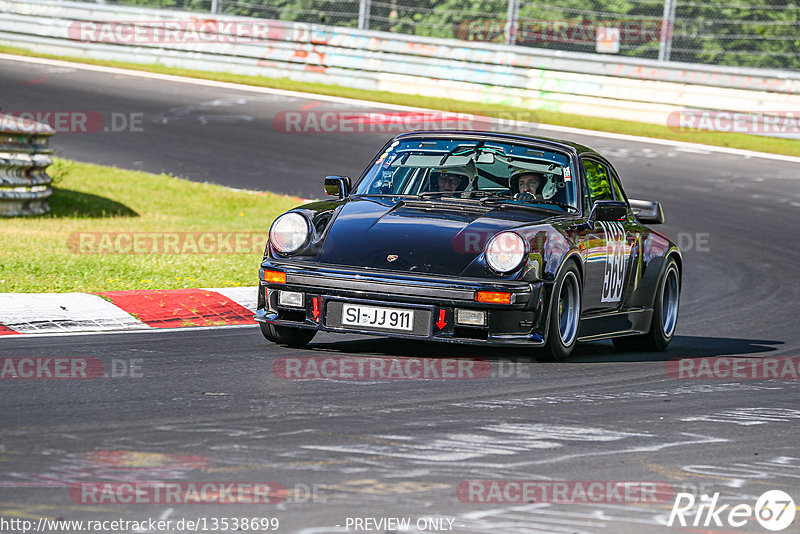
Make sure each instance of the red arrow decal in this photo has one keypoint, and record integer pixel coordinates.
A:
(315, 308)
(441, 322)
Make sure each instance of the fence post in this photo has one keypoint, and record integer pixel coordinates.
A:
(511, 22)
(214, 7)
(363, 14)
(24, 158)
(667, 30)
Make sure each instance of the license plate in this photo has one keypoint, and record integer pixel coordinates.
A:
(377, 317)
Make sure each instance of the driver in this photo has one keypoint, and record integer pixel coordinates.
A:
(527, 185)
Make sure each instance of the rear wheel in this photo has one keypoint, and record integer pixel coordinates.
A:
(565, 315)
(286, 335)
(665, 315)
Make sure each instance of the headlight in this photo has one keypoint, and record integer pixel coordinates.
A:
(289, 232)
(505, 251)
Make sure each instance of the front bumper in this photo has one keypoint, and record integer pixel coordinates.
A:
(325, 288)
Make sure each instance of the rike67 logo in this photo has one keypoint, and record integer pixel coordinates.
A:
(774, 510)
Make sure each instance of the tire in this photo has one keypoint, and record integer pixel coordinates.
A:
(565, 315)
(665, 315)
(286, 335)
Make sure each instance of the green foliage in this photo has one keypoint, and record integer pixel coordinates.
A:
(753, 33)
(42, 253)
(58, 170)
(193, 5)
(454, 19)
(331, 12)
(758, 33)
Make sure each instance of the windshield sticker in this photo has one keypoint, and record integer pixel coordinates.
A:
(381, 158)
(567, 174)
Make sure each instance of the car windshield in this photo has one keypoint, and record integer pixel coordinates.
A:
(493, 172)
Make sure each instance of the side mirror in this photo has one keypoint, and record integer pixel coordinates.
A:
(337, 186)
(609, 210)
(647, 211)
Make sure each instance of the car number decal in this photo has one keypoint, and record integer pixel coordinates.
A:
(615, 261)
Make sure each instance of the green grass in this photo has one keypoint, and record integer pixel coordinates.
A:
(42, 254)
(742, 141)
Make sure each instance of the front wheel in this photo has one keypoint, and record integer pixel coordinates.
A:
(665, 315)
(565, 315)
(286, 335)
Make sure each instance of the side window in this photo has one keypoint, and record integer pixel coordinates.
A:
(618, 194)
(599, 181)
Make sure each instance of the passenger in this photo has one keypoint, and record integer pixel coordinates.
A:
(449, 181)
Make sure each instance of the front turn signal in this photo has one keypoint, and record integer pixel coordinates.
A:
(274, 277)
(494, 297)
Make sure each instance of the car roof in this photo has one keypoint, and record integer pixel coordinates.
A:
(567, 146)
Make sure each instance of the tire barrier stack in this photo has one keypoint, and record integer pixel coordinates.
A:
(24, 157)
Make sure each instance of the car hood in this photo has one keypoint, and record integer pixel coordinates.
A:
(419, 236)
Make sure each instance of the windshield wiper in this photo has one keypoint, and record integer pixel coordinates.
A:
(505, 200)
(485, 194)
(461, 195)
(490, 197)
(494, 197)
(428, 194)
(386, 195)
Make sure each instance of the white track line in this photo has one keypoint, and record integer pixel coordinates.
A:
(38, 313)
(397, 107)
(119, 332)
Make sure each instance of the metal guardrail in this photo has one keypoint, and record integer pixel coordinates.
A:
(711, 33)
(54, 16)
(24, 158)
(581, 84)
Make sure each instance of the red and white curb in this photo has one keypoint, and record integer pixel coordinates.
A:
(49, 313)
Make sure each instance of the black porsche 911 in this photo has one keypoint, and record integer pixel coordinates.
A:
(474, 237)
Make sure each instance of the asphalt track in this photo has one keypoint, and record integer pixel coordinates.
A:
(400, 448)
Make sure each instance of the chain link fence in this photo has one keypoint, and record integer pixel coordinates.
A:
(755, 33)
